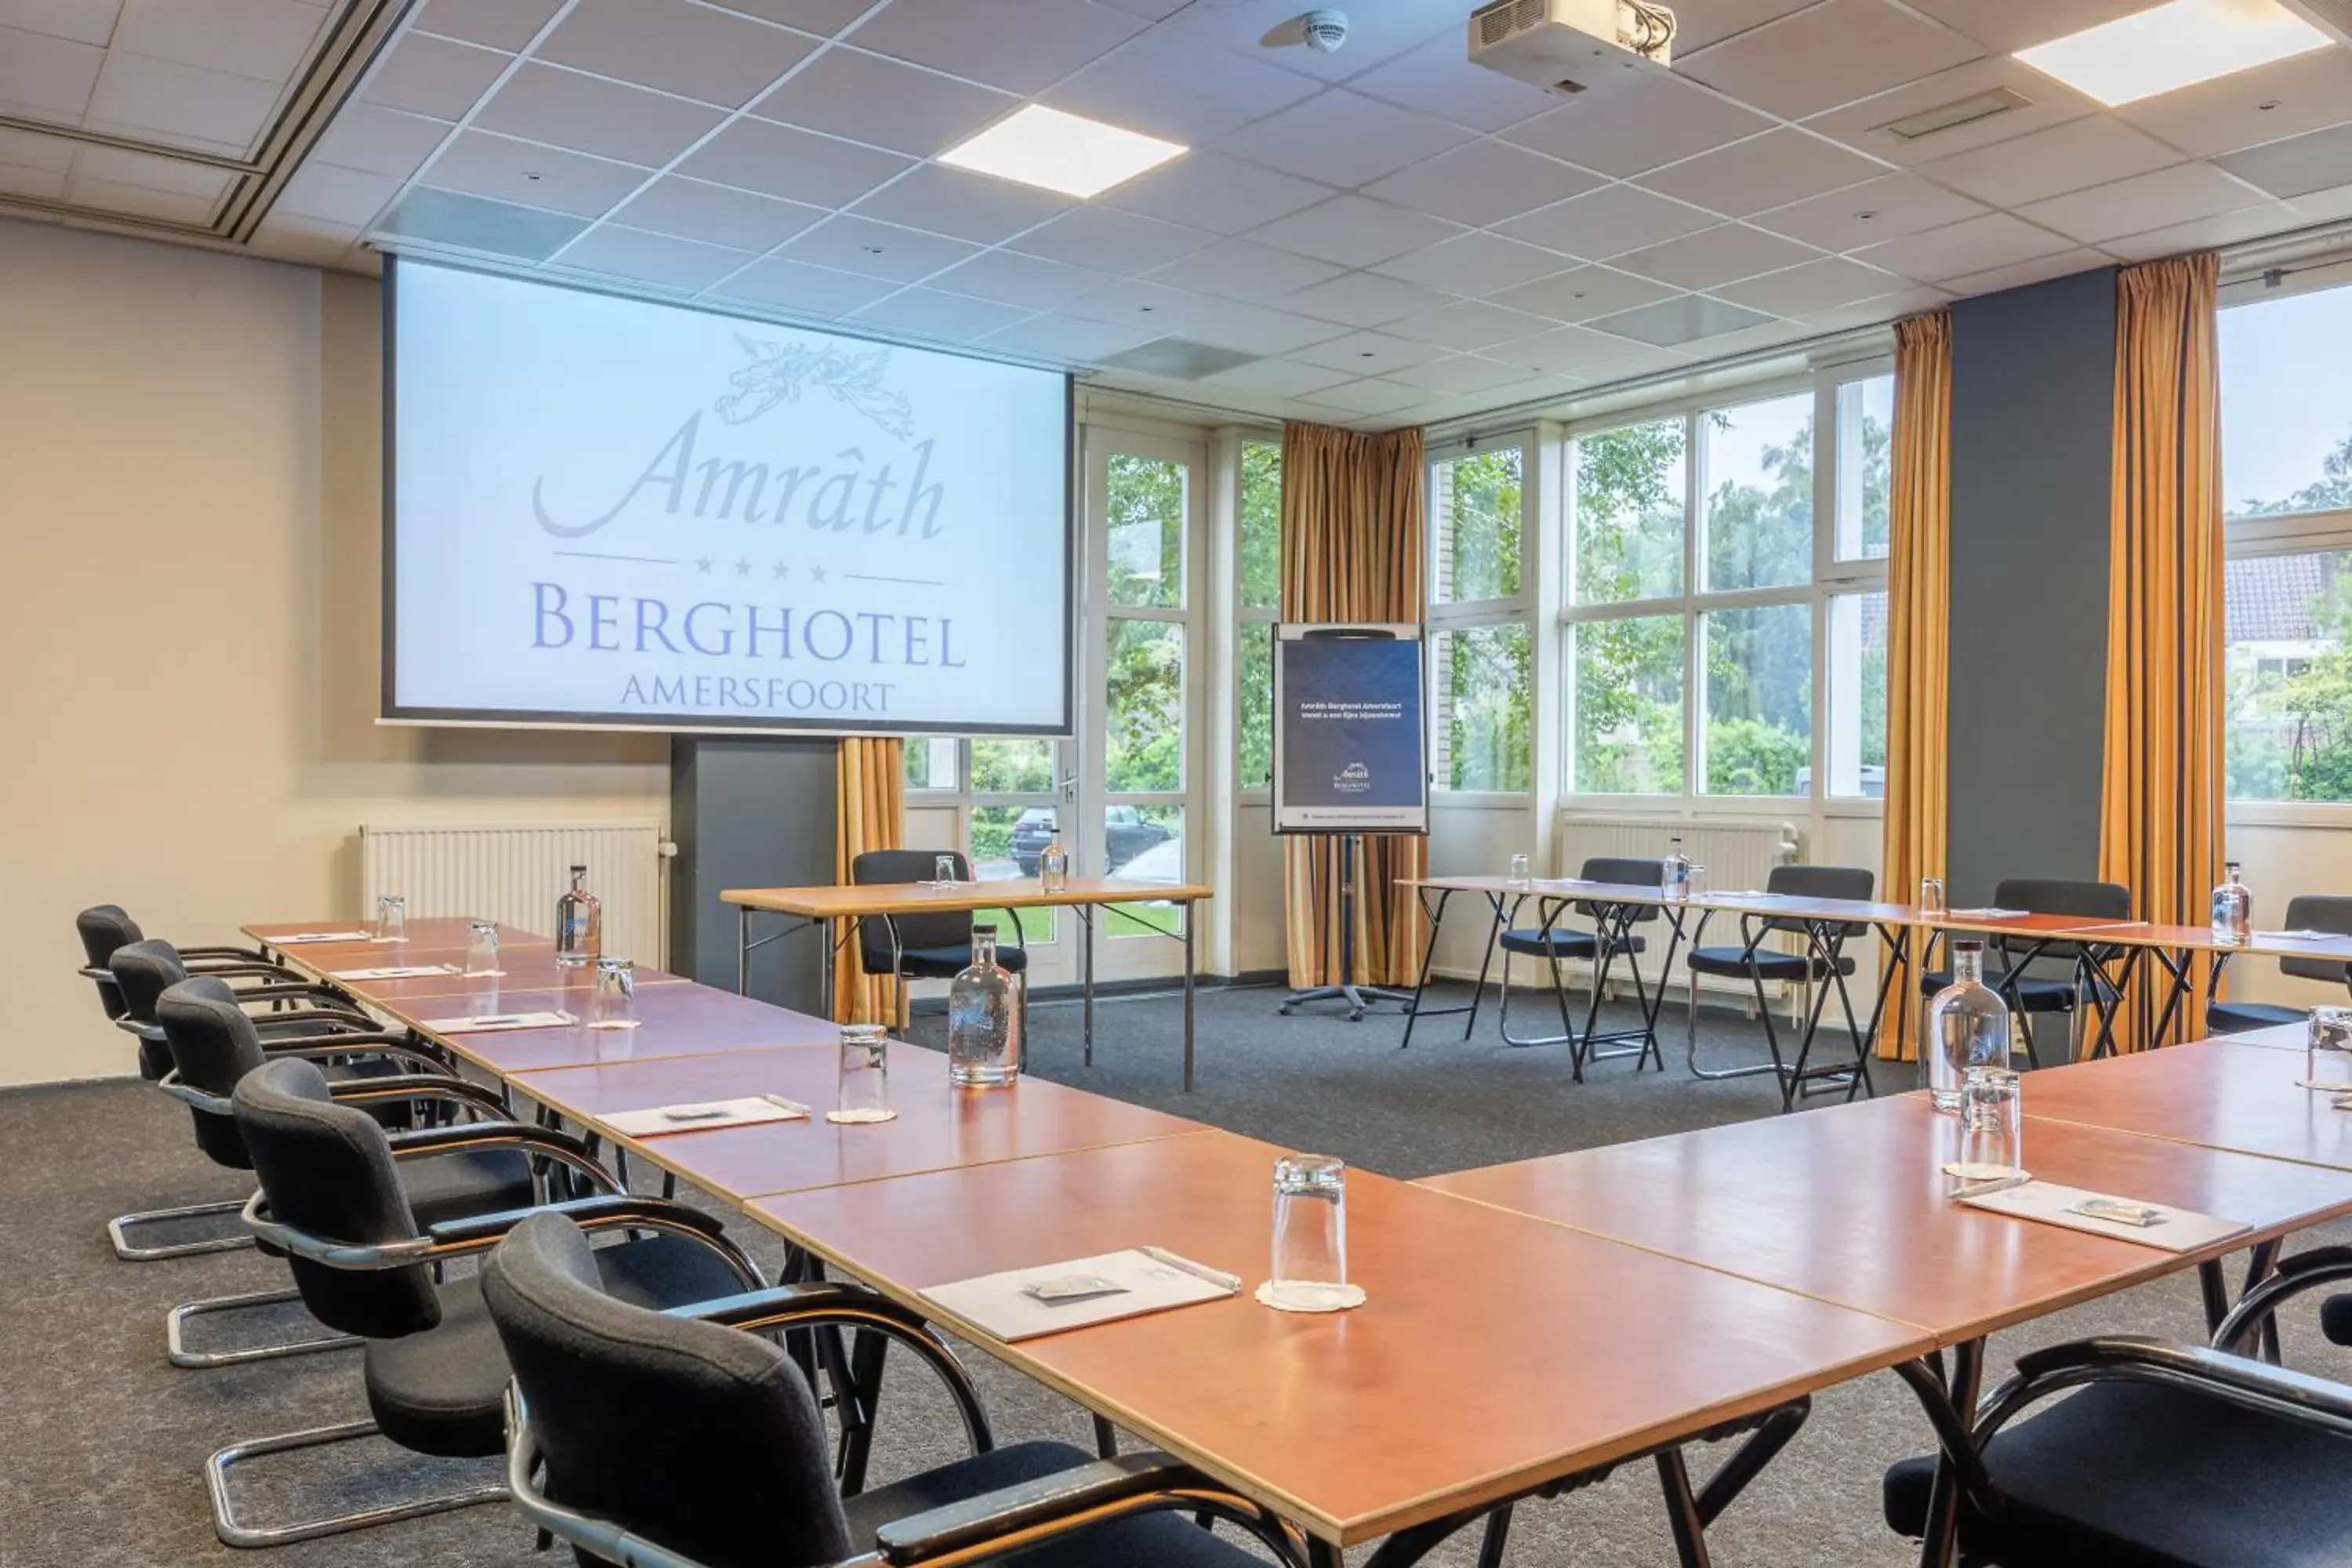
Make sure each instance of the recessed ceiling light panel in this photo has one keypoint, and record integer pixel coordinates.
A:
(2174, 46)
(1059, 151)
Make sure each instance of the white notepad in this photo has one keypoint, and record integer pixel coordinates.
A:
(396, 971)
(995, 1303)
(2179, 1230)
(1988, 913)
(497, 1023)
(702, 1115)
(294, 938)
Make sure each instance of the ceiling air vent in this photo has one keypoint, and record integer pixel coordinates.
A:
(1960, 111)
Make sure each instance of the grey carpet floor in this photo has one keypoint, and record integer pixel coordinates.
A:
(102, 1441)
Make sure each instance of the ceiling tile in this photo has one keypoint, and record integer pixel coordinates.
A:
(1371, 396)
(1210, 191)
(677, 47)
(1460, 374)
(1438, 79)
(1671, 323)
(1716, 256)
(1467, 324)
(2245, 109)
(1878, 312)
(1698, 23)
(1583, 293)
(137, 201)
(1476, 263)
(1353, 231)
(816, 291)
(1071, 341)
(1377, 30)
(43, 77)
(960, 203)
(1365, 300)
(951, 318)
(1881, 209)
(1768, 171)
(2316, 160)
(1579, 351)
(501, 23)
(32, 149)
(1021, 46)
(181, 103)
(80, 21)
(2327, 205)
(1483, 183)
(1863, 125)
(506, 169)
(1174, 85)
(658, 259)
(1658, 119)
(1830, 55)
(1367, 353)
(1342, 138)
(717, 214)
(590, 114)
(2083, 153)
(820, 18)
(1276, 377)
(1237, 269)
(2005, 27)
(267, 40)
(799, 165)
(2209, 232)
(1010, 278)
(121, 166)
(337, 196)
(476, 223)
(1108, 240)
(2144, 202)
(2066, 263)
(433, 76)
(875, 249)
(1609, 222)
(1813, 286)
(378, 140)
(868, 98)
(1996, 239)
(309, 242)
(1260, 329)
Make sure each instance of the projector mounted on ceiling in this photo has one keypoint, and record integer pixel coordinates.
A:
(1575, 47)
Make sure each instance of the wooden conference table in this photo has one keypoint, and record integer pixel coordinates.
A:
(1751, 1291)
(838, 907)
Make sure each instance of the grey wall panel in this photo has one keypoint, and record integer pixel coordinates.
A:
(2032, 451)
(756, 814)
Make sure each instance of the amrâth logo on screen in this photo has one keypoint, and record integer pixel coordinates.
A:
(776, 374)
(1353, 779)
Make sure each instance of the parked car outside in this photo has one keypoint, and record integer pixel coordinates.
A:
(1128, 834)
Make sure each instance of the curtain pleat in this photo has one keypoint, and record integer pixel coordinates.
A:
(1351, 551)
(2160, 814)
(1918, 634)
(872, 798)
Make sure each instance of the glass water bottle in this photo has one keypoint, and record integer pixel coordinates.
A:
(578, 924)
(1967, 1026)
(2233, 910)
(984, 1019)
(1674, 872)
(1054, 861)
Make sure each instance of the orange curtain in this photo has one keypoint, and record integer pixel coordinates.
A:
(871, 809)
(2160, 811)
(1351, 551)
(1918, 635)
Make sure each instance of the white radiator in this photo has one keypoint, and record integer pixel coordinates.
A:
(1736, 856)
(514, 871)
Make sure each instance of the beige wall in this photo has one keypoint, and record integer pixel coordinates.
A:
(189, 499)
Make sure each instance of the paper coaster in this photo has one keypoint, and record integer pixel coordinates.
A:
(1331, 1299)
(1978, 1170)
(617, 1024)
(860, 1118)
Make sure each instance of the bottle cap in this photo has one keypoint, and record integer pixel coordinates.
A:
(984, 928)
(1968, 944)
(577, 870)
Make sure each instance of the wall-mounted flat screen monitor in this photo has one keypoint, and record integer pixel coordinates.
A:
(605, 512)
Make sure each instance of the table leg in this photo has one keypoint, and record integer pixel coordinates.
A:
(1086, 983)
(1189, 912)
(1428, 956)
(742, 949)
(824, 1002)
(2182, 966)
(1951, 1409)
(1682, 1510)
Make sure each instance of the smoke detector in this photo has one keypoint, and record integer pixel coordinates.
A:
(1322, 31)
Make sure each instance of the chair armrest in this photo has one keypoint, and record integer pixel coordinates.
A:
(2250, 1384)
(224, 951)
(355, 1043)
(1013, 1517)
(325, 1020)
(2291, 1277)
(605, 1211)
(432, 1086)
(288, 990)
(565, 1148)
(192, 1097)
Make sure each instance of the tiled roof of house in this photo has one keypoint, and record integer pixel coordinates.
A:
(2269, 598)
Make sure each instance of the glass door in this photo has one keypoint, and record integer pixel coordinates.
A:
(1018, 796)
(1140, 775)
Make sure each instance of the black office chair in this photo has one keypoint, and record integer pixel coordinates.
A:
(333, 1201)
(2092, 975)
(657, 1439)
(923, 947)
(1612, 937)
(1823, 965)
(214, 1043)
(105, 929)
(2163, 1456)
(2306, 911)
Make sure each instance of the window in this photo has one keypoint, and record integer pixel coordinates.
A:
(2286, 477)
(1477, 517)
(1482, 677)
(1481, 649)
(1726, 595)
(1259, 599)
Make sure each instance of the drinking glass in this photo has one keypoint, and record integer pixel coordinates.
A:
(482, 947)
(614, 1003)
(1931, 897)
(1522, 874)
(2328, 1049)
(392, 918)
(944, 871)
(865, 1074)
(1310, 1234)
(1992, 1119)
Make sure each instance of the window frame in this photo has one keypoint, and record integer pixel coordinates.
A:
(1475, 615)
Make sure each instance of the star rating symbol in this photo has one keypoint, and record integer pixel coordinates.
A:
(743, 568)
(783, 571)
(816, 573)
(702, 564)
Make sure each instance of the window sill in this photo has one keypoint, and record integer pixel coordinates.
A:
(1480, 800)
(2332, 814)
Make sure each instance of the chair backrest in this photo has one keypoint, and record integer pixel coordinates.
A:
(2318, 911)
(1854, 883)
(1625, 873)
(704, 1439)
(950, 929)
(2056, 896)
(104, 928)
(326, 1171)
(143, 972)
(213, 1045)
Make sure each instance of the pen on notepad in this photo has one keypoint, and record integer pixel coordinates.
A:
(1198, 1270)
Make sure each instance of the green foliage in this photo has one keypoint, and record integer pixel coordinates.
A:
(1747, 756)
(1482, 519)
(1145, 501)
(1261, 541)
(2332, 491)
(1256, 762)
(2289, 737)
(1489, 673)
